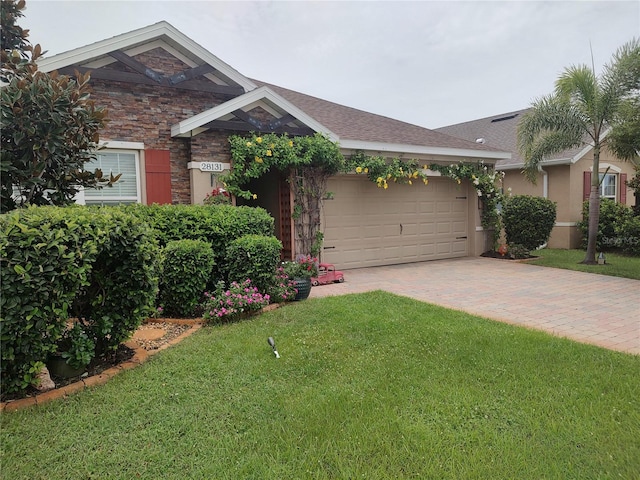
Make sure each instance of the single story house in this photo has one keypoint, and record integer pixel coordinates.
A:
(172, 106)
(564, 178)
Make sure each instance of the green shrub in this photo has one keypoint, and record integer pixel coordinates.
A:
(96, 264)
(76, 347)
(628, 235)
(187, 267)
(123, 284)
(253, 257)
(612, 216)
(528, 220)
(518, 251)
(217, 225)
(46, 256)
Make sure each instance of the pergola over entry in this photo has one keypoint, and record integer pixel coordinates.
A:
(260, 110)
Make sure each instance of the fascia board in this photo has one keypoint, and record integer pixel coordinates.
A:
(544, 163)
(127, 40)
(422, 150)
(589, 147)
(262, 93)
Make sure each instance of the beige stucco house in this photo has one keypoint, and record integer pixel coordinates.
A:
(564, 178)
(173, 105)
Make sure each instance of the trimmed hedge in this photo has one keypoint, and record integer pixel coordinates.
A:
(95, 264)
(187, 266)
(528, 220)
(217, 225)
(253, 257)
(124, 279)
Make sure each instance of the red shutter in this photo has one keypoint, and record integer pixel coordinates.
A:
(586, 185)
(623, 188)
(158, 176)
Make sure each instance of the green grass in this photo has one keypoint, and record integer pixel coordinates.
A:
(369, 386)
(617, 265)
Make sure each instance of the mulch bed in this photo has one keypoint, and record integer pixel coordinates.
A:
(494, 254)
(172, 328)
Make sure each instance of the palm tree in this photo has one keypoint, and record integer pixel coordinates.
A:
(586, 109)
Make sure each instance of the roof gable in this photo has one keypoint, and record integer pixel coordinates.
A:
(285, 116)
(162, 35)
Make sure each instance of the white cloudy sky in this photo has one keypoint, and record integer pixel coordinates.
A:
(427, 63)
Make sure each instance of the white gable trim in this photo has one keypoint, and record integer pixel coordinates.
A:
(135, 38)
(422, 150)
(195, 123)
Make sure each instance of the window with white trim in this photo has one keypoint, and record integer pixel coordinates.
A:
(608, 184)
(126, 189)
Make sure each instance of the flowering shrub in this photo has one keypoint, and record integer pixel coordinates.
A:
(304, 266)
(228, 305)
(218, 196)
(283, 290)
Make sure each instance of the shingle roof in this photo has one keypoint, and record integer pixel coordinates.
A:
(353, 124)
(500, 132)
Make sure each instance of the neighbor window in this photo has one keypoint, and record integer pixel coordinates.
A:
(126, 189)
(608, 185)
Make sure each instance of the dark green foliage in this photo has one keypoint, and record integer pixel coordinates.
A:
(76, 347)
(97, 265)
(518, 251)
(253, 257)
(613, 216)
(187, 267)
(528, 220)
(123, 282)
(628, 234)
(49, 126)
(217, 225)
(13, 37)
(46, 257)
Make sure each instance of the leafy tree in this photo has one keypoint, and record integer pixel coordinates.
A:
(49, 125)
(586, 108)
(13, 37)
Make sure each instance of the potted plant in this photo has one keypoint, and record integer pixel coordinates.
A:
(300, 272)
(75, 350)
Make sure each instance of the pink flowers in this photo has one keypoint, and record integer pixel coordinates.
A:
(238, 299)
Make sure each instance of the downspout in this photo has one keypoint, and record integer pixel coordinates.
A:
(545, 194)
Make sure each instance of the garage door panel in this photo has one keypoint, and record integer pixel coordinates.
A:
(459, 228)
(443, 227)
(369, 226)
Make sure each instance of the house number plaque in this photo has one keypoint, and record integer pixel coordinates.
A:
(211, 167)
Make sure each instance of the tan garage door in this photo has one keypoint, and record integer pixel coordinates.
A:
(367, 226)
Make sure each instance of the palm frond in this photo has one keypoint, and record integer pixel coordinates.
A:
(578, 85)
(551, 126)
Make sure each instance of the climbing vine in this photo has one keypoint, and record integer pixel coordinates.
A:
(484, 179)
(309, 161)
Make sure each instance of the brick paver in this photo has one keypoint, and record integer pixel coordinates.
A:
(589, 308)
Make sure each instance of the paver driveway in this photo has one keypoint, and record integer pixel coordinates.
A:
(590, 308)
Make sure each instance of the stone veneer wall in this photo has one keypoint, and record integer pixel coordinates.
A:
(145, 113)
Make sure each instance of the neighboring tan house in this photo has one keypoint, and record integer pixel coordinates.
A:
(172, 106)
(564, 178)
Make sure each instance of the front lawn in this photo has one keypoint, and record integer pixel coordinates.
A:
(370, 386)
(616, 265)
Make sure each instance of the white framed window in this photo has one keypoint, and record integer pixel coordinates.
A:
(127, 188)
(608, 185)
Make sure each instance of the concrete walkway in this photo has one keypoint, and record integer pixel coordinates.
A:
(589, 308)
